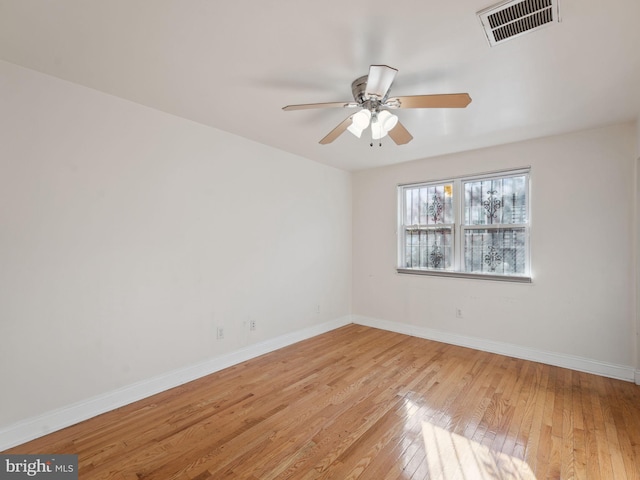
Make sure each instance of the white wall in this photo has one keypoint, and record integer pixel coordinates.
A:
(128, 235)
(582, 299)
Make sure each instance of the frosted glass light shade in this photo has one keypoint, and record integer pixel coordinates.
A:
(387, 120)
(377, 131)
(353, 128)
(359, 122)
(362, 118)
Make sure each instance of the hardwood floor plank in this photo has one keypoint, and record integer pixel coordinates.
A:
(601, 440)
(522, 398)
(591, 449)
(622, 412)
(362, 403)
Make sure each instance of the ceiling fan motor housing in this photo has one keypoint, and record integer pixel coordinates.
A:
(358, 87)
(371, 103)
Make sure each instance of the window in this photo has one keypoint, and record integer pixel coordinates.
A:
(472, 226)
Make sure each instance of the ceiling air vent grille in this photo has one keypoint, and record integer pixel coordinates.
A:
(510, 19)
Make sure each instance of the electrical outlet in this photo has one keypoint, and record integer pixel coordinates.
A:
(252, 325)
(458, 313)
(220, 333)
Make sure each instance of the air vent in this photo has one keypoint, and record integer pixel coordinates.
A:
(511, 19)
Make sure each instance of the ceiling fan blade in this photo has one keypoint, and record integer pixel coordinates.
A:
(336, 132)
(400, 135)
(305, 106)
(379, 81)
(448, 100)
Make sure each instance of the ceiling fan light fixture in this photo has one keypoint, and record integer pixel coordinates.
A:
(362, 119)
(387, 120)
(359, 122)
(377, 129)
(353, 128)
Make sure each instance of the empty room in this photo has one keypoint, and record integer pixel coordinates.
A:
(337, 240)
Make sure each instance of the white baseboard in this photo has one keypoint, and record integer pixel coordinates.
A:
(58, 419)
(580, 364)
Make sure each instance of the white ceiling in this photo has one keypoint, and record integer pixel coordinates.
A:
(233, 65)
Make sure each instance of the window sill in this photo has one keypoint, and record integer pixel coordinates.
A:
(475, 276)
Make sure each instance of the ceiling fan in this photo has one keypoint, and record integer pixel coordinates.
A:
(371, 95)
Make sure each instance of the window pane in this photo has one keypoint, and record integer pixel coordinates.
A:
(429, 205)
(423, 207)
(495, 201)
(501, 252)
(428, 248)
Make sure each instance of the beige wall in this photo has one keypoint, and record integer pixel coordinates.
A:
(128, 235)
(637, 216)
(582, 299)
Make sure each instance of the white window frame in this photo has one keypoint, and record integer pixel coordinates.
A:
(459, 228)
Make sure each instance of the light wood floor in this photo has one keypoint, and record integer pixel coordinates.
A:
(364, 403)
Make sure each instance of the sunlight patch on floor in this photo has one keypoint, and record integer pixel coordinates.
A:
(454, 457)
